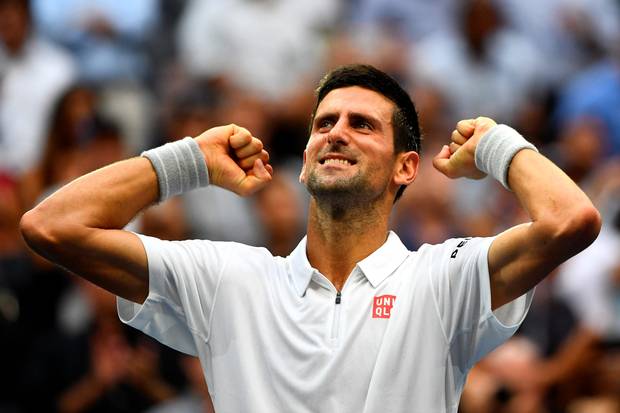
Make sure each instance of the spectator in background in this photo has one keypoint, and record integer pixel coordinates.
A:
(415, 18)
(570, 34)
(70, 120)
(108, 37)
(594, 94)
(481, 67)
(581, 146)
(33, 73)
(94, 366)
(110, 41)
(264, 47)
(14, 266)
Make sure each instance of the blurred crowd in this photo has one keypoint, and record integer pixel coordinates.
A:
(84, 83)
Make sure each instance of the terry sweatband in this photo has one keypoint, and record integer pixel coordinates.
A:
(180, 167)
(496, 149)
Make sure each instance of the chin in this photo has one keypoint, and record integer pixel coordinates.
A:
(340, 190)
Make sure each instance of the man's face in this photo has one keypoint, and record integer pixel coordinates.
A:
(350, 154)
(14, 26)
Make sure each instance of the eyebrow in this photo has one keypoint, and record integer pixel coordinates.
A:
(375, 122)
(325, 116)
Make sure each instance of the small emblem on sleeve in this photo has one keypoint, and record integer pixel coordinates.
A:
(382, 306)
(460, 244)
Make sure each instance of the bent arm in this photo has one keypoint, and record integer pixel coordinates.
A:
(563, 220)
(80, 227)
(563, 223)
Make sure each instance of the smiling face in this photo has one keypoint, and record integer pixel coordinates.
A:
(350, 155)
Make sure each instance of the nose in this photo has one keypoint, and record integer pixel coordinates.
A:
(338, 134)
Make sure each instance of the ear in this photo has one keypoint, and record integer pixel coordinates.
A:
(406, 167)
(302, 174)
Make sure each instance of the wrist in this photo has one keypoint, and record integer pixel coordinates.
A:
(496, 149)
(180, 167)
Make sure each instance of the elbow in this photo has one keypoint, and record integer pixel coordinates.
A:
(586, 226)
(39, 231)
(575, 231)
(33, 230)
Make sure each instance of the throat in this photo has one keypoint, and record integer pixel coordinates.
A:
(339, 239)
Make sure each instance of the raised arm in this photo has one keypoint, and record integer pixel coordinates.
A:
(563, 220)
(80, 226)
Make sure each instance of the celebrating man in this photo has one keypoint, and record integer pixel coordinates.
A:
(350, 321)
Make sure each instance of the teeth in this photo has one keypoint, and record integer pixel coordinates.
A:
(337, 161)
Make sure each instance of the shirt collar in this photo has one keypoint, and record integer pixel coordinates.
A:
(300, 268)
(376, 267)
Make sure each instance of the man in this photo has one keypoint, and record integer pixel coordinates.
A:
(351, 321)
(34, 72)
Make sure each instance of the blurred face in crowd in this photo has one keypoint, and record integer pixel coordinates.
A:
(481, 20)
(14, 24)
(350, 155)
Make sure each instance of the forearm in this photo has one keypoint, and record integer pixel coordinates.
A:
(107, 198)
(563, 219)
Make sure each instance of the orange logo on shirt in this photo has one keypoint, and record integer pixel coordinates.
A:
(382, 306)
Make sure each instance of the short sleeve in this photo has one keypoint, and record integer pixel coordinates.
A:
(461, 283)
(183, 281)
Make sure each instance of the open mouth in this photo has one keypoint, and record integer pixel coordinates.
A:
(336, 161)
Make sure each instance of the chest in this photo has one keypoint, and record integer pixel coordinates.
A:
(324, 333)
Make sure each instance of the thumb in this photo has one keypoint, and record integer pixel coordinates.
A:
(259, 176)
(441, 161)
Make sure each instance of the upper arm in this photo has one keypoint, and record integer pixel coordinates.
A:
(516, 264)
(520, 257)
(116, 261)
(113, 259)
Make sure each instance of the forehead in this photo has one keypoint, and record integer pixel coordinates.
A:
(359, 100)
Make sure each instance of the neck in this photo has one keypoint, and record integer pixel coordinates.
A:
(339, 238)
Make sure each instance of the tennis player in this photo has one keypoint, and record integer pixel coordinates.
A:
(350, 321)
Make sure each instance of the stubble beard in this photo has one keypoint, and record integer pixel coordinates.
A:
(342, 197)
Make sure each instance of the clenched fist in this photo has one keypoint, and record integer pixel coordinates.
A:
(458, 160)
(236, 159)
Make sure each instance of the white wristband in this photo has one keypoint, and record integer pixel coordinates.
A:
(496, 149)
(180, 167)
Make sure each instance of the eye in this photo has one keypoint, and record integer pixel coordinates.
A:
(361, 124)
(324, 125)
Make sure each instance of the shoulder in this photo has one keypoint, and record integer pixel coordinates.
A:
(455, 255)
(452, 247)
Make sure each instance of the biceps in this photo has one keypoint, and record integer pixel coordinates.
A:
(518, 260)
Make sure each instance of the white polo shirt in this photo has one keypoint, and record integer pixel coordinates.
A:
(274, 335)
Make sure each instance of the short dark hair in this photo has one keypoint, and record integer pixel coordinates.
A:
(407, 136)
